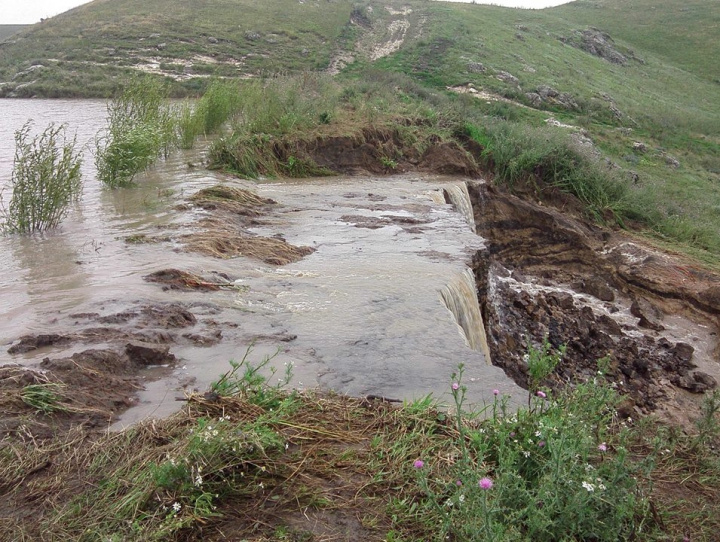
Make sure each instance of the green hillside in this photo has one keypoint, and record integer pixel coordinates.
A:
(7, 30)
(683, 33)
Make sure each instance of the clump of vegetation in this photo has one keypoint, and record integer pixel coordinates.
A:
(557, 470)
(44, 397)
(548, 158)
(141, 127)
(46, 179)
(281, 117)
(219, 103)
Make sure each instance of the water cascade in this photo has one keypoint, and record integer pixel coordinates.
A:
(459, 197)
(460, 297)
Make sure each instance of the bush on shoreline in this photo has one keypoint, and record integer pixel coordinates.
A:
(141, 127)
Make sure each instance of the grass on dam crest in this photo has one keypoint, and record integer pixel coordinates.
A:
(250, 461)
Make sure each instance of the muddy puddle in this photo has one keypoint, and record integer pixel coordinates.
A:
(361, 312)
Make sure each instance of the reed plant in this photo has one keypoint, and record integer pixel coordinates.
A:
(141, 127)
(46, 179)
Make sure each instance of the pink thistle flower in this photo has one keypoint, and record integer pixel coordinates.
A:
(512, 434)
(541, 443)
(458, 483)
(603, 447)
(455, 386)
(541, 394)
(496, 392)
(419, 463)
(485, 483)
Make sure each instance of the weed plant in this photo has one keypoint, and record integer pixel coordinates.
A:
(43, 397)
(46, 179)
(141, 127)
(557, 470)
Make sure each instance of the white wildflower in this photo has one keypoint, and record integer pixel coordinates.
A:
(587, 485)
(176, 507)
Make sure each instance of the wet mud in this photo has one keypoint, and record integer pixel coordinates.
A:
(224, 232)
(93, 373)
(543, 274)
(602, 294)
(377, 151)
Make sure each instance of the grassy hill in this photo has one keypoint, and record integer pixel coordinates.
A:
(7, 30)
(637, 80)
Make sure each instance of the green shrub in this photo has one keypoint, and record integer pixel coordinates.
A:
(141, 127)
(46, 178)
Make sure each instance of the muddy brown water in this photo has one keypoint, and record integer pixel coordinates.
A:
(363, 314)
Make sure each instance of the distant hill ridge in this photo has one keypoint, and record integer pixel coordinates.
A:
(635, 83)
(7, 30)
(86, 50)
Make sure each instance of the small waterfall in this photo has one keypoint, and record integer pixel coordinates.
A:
(460, 297)
(459, 196)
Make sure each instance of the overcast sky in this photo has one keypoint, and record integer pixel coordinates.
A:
(31, 11)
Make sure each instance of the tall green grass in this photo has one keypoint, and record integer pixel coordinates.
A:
(217, 105)
(267, 112)
(141, 127)
(279, 114)
(551, 159)
(46, 179)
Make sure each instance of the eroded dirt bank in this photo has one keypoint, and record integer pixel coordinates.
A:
(601, 293)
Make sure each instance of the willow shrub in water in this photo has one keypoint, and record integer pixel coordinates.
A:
(141, 127)
(46, 179)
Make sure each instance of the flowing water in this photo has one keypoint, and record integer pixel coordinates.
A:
(384, 306)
